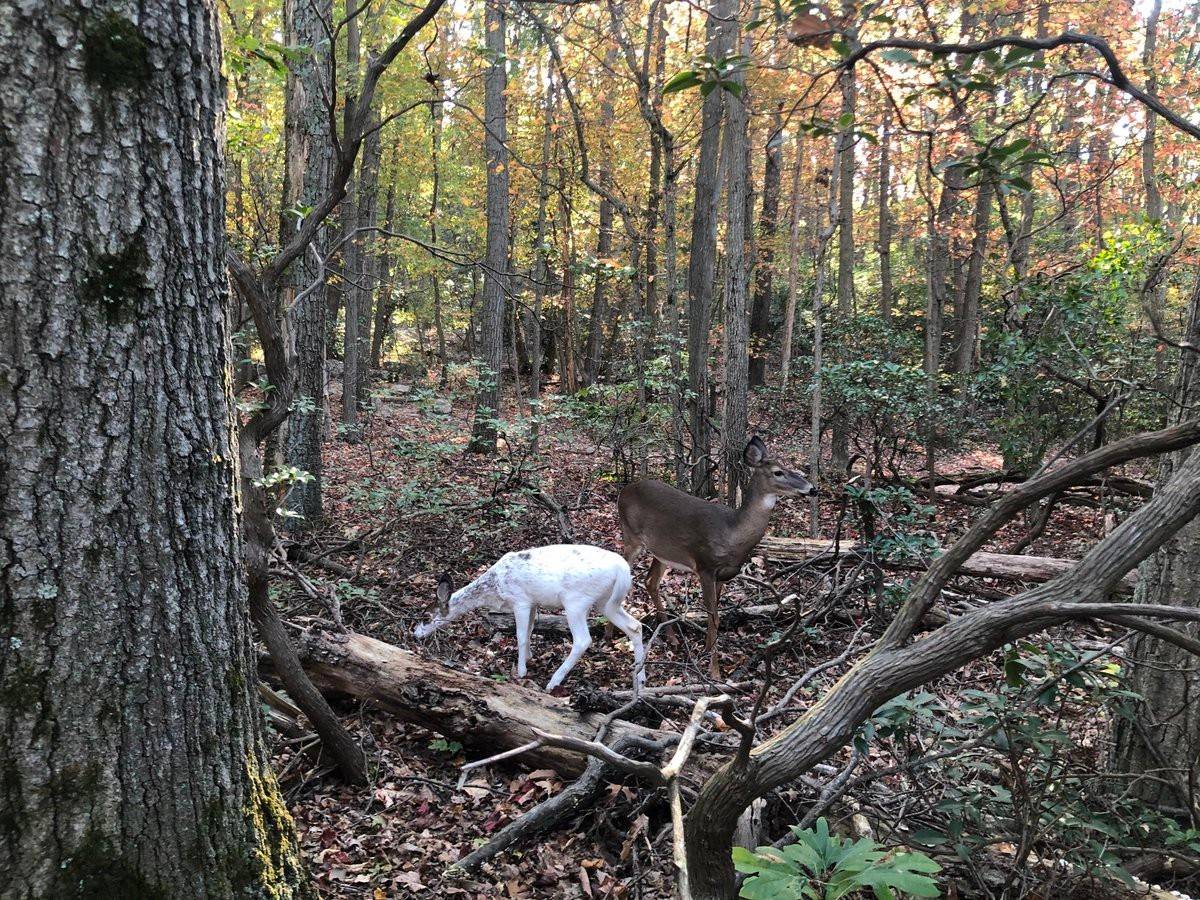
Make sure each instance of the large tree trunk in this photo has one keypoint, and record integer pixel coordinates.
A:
(764, 274)
(131, 751)
(1162, 741)
(702, 258)
(487, 401)
(309, 159)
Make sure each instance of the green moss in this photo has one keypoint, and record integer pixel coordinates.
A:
(235, 681)
(115, 55)
(271, 869)
(98, 871)
(116, 283)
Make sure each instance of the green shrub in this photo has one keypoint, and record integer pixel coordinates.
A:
(824, 866)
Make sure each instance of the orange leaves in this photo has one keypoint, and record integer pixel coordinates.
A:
(814, 27)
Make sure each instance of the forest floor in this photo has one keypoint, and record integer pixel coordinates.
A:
(408, 503)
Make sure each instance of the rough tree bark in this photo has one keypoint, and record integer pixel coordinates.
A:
(703, 256)
(898, 663)
(131, 756)
(764, 274)
(309, 166)
(1164, 744)
(487, 400)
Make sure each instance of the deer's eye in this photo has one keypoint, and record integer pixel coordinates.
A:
(778, 473)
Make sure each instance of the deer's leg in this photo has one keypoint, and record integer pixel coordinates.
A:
(632, 548)
(633, 630)
(523, 619)
(581, 639)
(657, 569)
(711, 590)
(652, 581)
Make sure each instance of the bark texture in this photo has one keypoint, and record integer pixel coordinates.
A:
(487, 402)
(1163, 741)
(133, 763)
(485, 715)
(703, 256)
(309, 167)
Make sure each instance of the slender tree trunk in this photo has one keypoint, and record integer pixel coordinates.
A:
(764, 275)
(702, 258)
(823, 236)
(845, 275)
(368, 220)
(132, 761)
(1154, 201)
(935, 303)
(737, 362)
(789, 316)
(884, 240)
(487, 403)
(309, 159)
(604, 239)
(435, 116)
(541, 268)
(385, 293)
(968, 332)
(351, 266)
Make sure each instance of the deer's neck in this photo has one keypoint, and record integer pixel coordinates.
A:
(753, 516)
(471, 597)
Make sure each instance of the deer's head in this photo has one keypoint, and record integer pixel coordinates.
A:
(445, 589)
(770, 476)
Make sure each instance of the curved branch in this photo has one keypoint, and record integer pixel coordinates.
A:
(1116, 74)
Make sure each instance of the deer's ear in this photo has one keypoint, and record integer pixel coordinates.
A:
(445, 587)
(755, 453)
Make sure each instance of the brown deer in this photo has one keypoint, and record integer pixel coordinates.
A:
(688, 534)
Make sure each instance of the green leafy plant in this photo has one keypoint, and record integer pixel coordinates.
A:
(824, 866)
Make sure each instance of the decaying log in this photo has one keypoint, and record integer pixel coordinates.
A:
(485, 716)
(1003, 566)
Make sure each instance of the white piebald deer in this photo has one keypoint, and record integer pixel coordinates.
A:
(576, 578)
(692, 535)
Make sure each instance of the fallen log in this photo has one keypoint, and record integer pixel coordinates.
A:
(1002, 566)
(483, 715)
